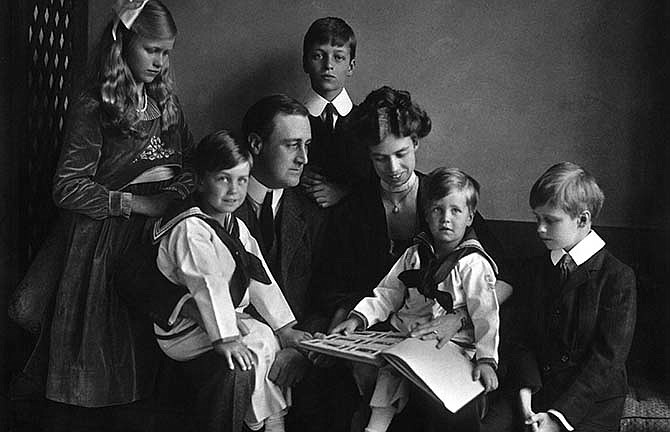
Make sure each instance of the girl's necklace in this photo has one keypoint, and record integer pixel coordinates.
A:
(146, 102)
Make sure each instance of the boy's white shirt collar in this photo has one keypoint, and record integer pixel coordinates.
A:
(257, 190)
(582, 251)
(315, 103)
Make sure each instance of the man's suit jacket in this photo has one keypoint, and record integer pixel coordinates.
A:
(576, 338)
(300, 242)
(300, 236)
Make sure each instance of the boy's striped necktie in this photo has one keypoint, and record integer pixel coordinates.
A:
(566, 265)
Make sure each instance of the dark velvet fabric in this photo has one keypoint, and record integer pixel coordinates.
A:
(100, 352)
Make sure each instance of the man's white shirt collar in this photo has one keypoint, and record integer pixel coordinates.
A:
(315, 103)
(257, 190)
(585, 249)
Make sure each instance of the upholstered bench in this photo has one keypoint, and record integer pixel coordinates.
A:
(647, 408)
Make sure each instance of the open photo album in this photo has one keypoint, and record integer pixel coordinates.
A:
(445, 373)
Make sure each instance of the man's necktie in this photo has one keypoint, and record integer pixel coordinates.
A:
(329, 117)
(267, 221)
(566, 266)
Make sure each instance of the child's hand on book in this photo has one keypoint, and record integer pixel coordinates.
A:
(234, 352)
(484, 372)
(348, 326)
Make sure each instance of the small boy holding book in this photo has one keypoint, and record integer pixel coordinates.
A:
(446, 270)
(579, 305)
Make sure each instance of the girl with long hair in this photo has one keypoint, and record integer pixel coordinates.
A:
(125, 148)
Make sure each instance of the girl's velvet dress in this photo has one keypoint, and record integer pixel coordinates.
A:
(100, 352)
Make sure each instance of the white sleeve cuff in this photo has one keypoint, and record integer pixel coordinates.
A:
(562, 419)
(174, 316)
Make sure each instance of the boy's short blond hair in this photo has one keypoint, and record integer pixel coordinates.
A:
(569, 187)
(443, 181)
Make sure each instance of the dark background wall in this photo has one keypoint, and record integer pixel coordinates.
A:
(512, 87)
(8, 235)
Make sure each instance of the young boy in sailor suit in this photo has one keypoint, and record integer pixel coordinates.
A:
(446, 270)
(211, 252)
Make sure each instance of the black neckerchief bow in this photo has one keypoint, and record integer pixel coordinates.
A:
(434, 270)
(247, 265)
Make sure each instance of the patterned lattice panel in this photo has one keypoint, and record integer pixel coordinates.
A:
(50, 39)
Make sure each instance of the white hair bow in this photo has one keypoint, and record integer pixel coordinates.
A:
(127, 12)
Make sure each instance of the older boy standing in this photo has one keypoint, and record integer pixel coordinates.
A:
(580, 306)
(329, 58)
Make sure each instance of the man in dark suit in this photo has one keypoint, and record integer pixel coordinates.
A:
(278, 133)
(288, 227)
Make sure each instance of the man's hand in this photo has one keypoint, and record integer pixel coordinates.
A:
(234, 352)
(290, 337)
(318, 359)
(289, 368)
(484, 372)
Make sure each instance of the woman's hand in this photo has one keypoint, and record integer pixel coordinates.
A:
(152, 205)
(234, 352)
(442, 328)
(348, 326)
(484, 372)
(290, 337)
